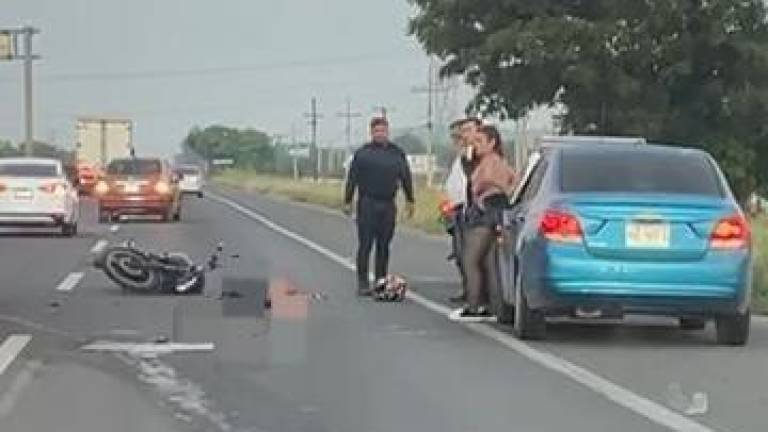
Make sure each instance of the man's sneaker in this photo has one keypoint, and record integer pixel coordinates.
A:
(364, 290)
(468, 314)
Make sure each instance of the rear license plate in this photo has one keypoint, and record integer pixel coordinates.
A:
(22, 194)
(649, 235)
(131, 188)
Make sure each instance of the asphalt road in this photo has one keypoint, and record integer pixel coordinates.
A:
(323, 359)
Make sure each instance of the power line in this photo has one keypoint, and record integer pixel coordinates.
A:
(211, 71)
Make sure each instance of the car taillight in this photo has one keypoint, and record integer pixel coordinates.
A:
(101, 188)
(53, 187)
(162, 187)
(730, 233)
(560, 226)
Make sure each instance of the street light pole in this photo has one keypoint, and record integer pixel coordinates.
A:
(9, 42)
(28, 111)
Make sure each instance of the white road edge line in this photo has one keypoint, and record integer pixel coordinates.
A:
(645, 407)
(99, 246)
(70, 282)
(11, 348)
(149, 347)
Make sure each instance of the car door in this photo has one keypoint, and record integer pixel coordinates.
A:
(514, 220)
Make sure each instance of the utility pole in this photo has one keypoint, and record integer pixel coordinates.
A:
(348, 115)
(431, 90)
(9, 50)
(313, 116)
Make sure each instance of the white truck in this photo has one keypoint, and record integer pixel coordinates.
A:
(99, 140)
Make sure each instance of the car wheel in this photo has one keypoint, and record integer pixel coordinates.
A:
(69, 229)
(200, 194)
(177, 215)
(103, 216)
(529, 324)
(733, 329)
(692, 323)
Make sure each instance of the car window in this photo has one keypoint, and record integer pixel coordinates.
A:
(190, 171)
(639, 172)
(28, 170)
(534, 183)
(135, 167)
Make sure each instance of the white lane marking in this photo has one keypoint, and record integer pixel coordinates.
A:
(99, 246)
(602, 386)
(149, 348)
(11, 348)
(70, 282)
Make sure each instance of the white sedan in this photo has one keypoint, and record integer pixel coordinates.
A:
(36, 192)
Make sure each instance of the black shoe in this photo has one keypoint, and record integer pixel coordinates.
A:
(364, 289)
(458, 298)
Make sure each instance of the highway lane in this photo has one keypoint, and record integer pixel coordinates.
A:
(650, 357)
(322, 360)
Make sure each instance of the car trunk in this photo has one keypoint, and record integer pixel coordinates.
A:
(648, 226)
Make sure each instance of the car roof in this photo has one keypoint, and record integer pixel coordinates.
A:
(138, 159)
(30, 160)
(650, 148)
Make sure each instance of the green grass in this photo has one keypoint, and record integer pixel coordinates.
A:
(760, 287)
(328, 193)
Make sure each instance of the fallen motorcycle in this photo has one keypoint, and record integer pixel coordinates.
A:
(141, 271)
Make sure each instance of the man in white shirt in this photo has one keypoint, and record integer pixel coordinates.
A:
(456, 188)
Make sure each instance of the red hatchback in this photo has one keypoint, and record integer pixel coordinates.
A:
(136, 186)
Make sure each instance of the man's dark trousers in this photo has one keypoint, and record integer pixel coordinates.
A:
(375, 225)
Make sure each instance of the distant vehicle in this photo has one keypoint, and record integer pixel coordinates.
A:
(602, 231)
(139, 186)
(192, 179)
(37, 192)
(99, 141)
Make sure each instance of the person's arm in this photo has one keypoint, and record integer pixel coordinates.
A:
(405, 178)
(349, 191)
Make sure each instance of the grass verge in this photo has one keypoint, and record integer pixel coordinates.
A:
(329, 194)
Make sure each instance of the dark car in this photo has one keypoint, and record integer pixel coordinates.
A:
(139, 186)
(600, 231)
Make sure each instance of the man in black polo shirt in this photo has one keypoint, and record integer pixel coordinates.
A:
(376, 171)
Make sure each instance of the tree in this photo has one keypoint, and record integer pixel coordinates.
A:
(676, 71)
(249, 148)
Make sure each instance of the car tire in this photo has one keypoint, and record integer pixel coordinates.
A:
(733, 330)
(200, 194)
(177, 215)
(69, 229)
(529, 324)
(693, 324)
(504, 311)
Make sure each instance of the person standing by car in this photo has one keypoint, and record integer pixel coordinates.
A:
(376, 171)
(456, 188)
(492, 180)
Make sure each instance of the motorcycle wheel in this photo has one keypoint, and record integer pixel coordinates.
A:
(129, 269)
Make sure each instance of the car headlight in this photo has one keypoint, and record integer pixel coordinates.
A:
(162, 188)
(101, 187)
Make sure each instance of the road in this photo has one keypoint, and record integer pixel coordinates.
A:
(324, 359)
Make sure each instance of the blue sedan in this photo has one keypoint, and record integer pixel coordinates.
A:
(600, 231)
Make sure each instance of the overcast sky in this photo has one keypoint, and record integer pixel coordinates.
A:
(172, 64)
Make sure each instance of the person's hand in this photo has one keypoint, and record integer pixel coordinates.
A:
(410, 209)
(346, 208)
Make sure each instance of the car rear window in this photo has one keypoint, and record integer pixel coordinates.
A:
(190, 171)
(28, 170)
(135, 167)
(639, 172)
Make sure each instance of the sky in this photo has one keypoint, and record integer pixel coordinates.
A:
(173, 64)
